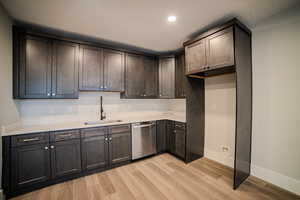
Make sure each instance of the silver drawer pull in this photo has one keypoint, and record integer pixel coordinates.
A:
(142, 126)
(66, 135)
(31, 139)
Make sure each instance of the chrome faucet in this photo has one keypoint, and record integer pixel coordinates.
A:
(102, 113)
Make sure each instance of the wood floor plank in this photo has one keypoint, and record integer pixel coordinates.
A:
(162, 177)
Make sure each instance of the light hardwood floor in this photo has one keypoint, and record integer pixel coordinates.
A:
(162, 177)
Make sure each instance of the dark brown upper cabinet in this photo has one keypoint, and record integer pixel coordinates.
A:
(179, 76)
(212, 52)
(101, 69)
(91, 68)
(196, 58)
(220, 49)
(113, 68)
(65, 70)
(44, 68)
(167, 78)
(33, 65)
(141, 77)
(151, 77)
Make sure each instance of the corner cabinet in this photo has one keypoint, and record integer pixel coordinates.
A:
(141, 77)
(44, 68)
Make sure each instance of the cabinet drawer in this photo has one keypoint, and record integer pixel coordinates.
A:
(120, 129)
(29, 139)
(92, 132)
(180, 125)
(64, 135)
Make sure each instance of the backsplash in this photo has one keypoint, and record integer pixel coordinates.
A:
(38, 112)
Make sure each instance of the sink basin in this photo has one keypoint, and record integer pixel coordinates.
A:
(102, 122)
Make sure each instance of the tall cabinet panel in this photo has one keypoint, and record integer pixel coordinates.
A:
(90, 70)
(167, 78)
(151, 77)
(113, 70)
(35, 67)
(134, 76)
(65, 70)
(242, 165)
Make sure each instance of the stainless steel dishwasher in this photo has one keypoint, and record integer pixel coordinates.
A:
(143, 139)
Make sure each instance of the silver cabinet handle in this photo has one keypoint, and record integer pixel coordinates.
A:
(106, 139)
(48, 94)
(52, 147)
(53, 94)
(46, 148)
(31, 139)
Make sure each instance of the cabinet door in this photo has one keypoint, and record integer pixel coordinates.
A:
(30, 165)
(151, 77)
(134, 83)
(90, 70)
(179, 143)
(161, 136)
(119, 147)
(35, 67)
(167, 78)
(113, 70)
(170, 137)
(65, 70)
(95, 152)
(220, 49)
(196, 58)
(65, 158)
(179, 76)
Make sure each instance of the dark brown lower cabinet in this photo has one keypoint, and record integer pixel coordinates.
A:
(31, 165)
(161, 137)
(179, 142)
(176, 142)
(94, 149)
(119, 145)
(65, 158)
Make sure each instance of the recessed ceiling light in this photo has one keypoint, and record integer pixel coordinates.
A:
(172, 18)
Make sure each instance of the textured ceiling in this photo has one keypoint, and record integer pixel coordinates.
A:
(141, 23)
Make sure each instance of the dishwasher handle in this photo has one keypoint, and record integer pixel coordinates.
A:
(145, 125)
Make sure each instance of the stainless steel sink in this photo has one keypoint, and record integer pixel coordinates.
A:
(102, 122)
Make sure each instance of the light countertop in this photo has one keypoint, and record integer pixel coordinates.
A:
(21, 129)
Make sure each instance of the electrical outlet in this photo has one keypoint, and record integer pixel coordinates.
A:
(225, 149)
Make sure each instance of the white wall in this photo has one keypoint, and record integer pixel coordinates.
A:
(276, 98)
(8, 109)
(220, 118)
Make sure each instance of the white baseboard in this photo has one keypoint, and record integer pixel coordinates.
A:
(276, 178)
